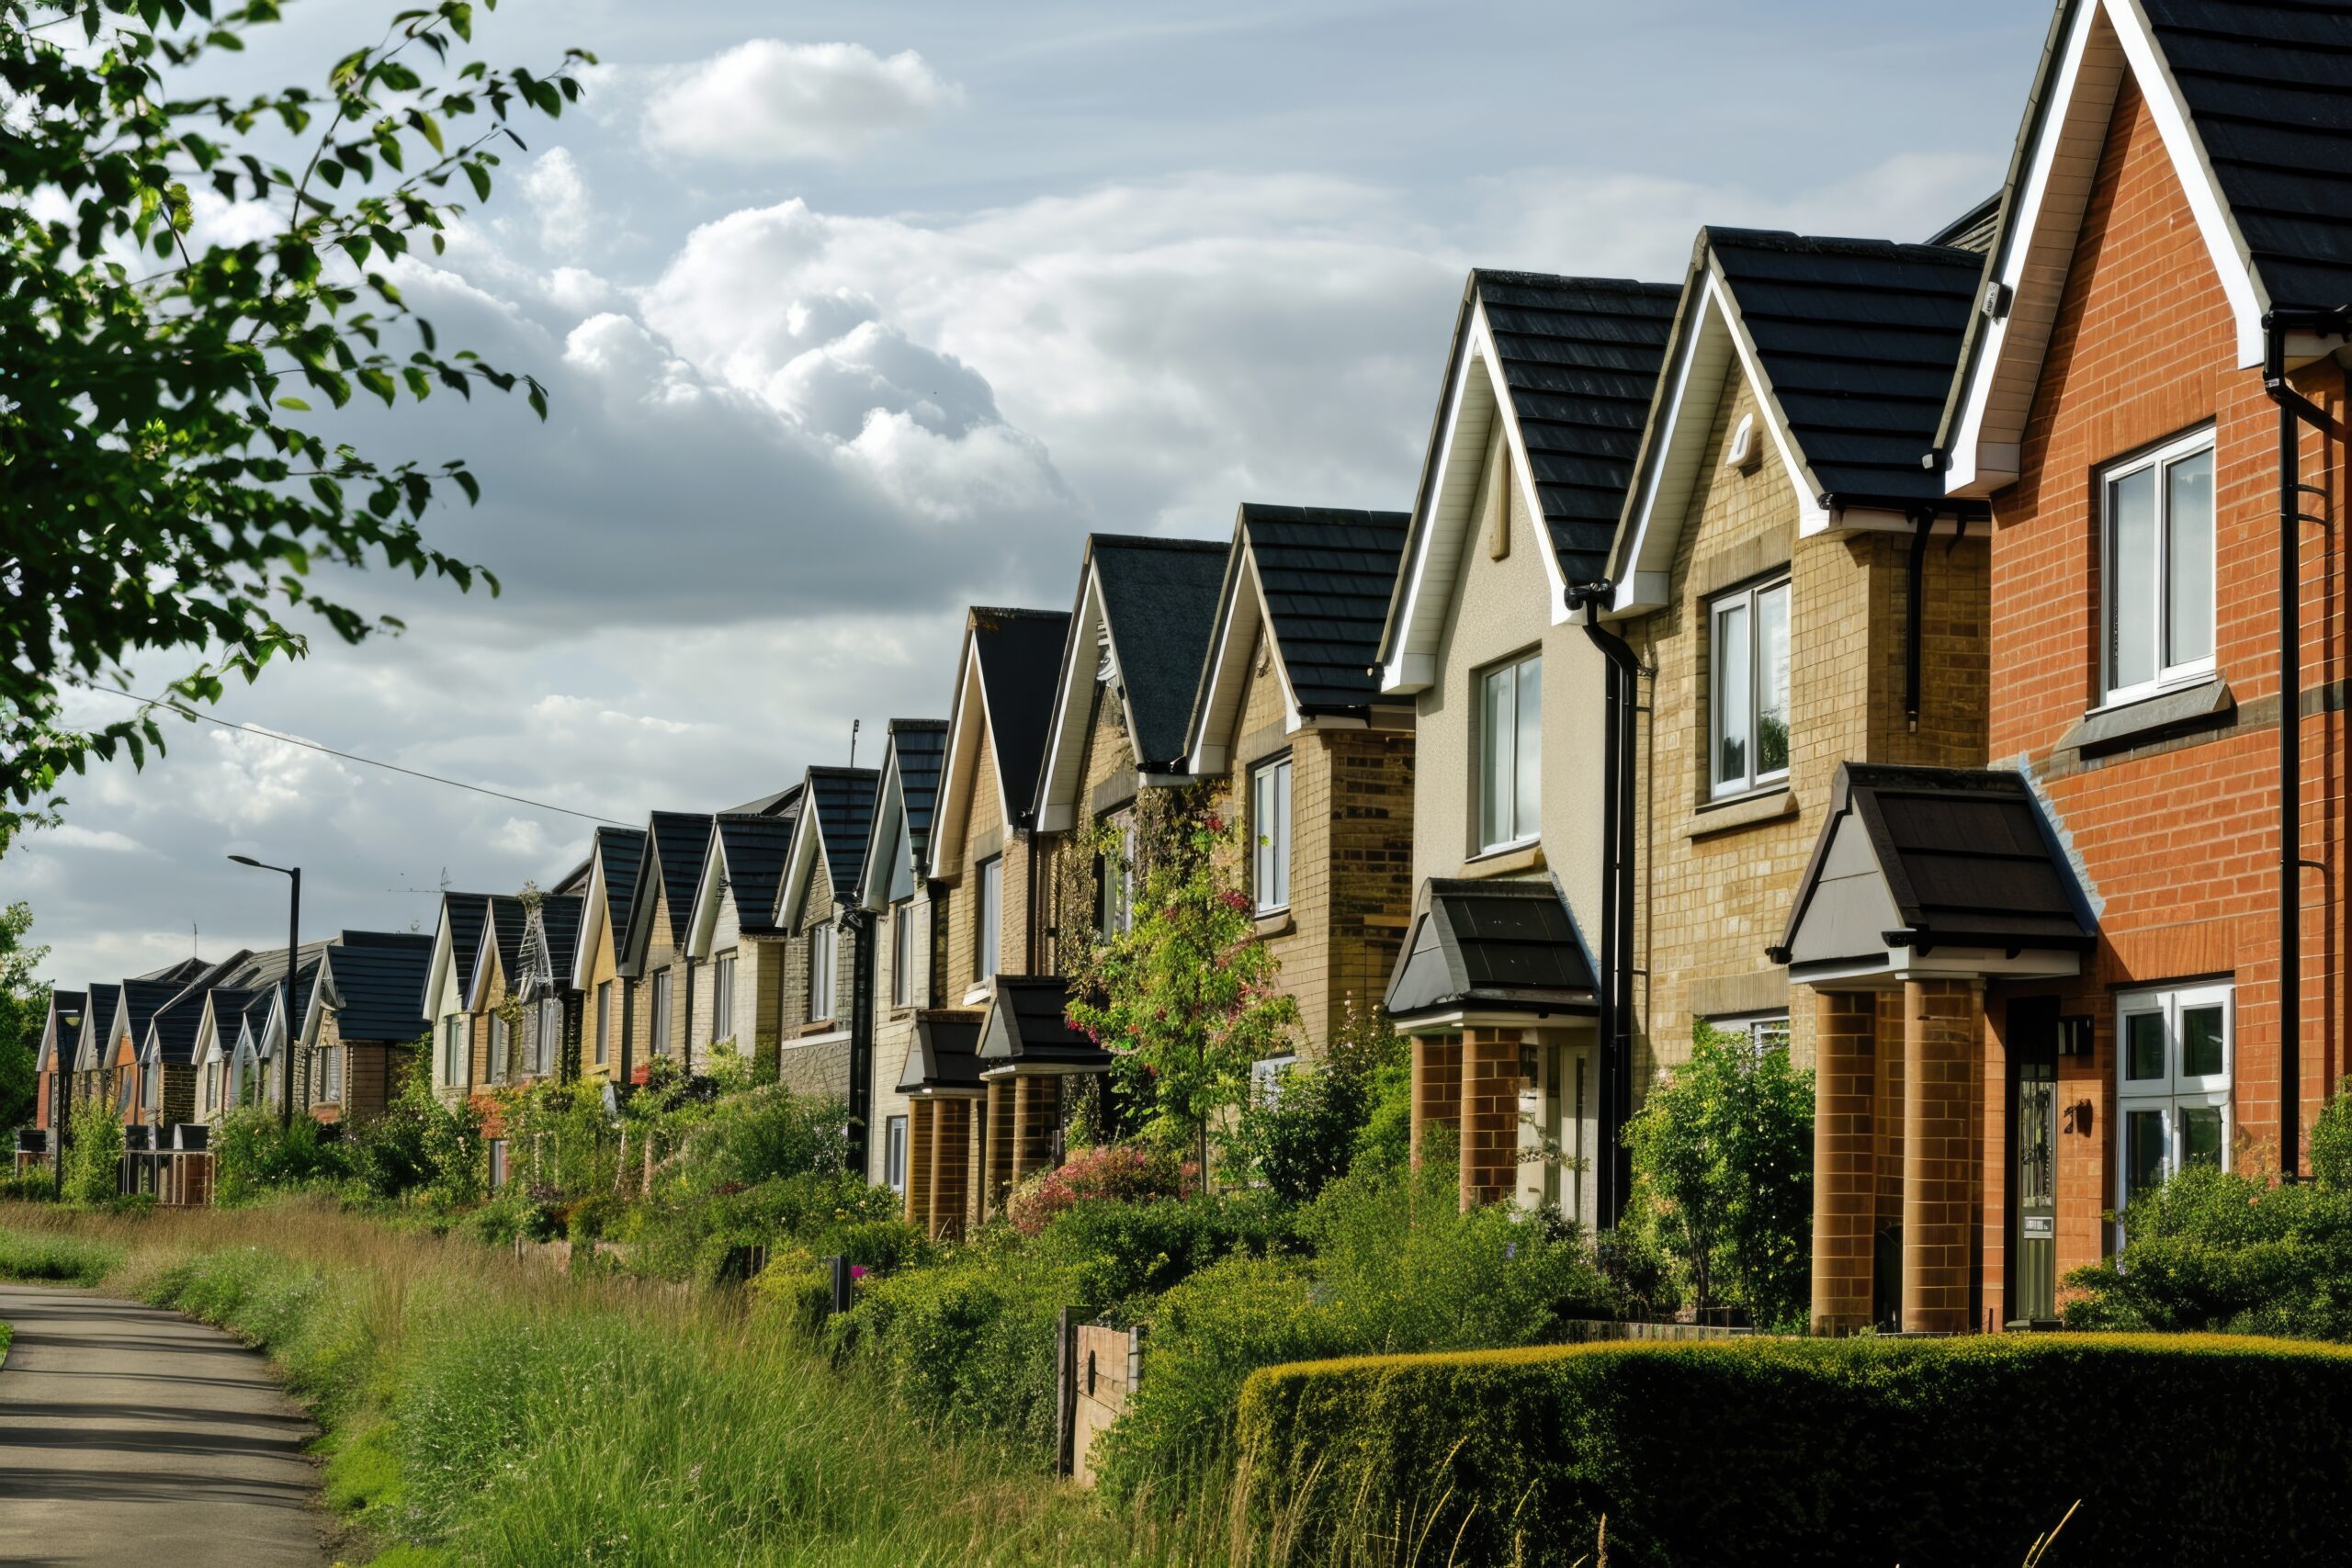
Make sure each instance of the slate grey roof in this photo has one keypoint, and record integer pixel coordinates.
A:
(103, 998)
(1858, 341)
(1019, 656)
(379, 976)
(1027, 1026)
(622, 850)
(141, 1001)
(465, 913)
(774, 805)
(943, 1054)
(921, 745)
(1972, 230)
(674, 844)
(559, 919)
(1580, 356)
(1159, 601)
(756, 848)
(843, 801)
(2269, 88)
(182, 972)
(173, 1027)
(1952, 857)
(508, 920)
(1326, 572)
(1492, 946)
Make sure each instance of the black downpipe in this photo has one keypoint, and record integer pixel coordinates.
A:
(1914, 591)
(2294, 410)
(861, 924)
(1616, 995)
(628, 1030)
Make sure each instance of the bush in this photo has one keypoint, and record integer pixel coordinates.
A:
(420, 1146)
(1923, 1452)
(64, 1259)
(34, 1186)
(94, 1152)
(1110, 1173)
(255, 1155)
(1306, 1135)
(688, 1230)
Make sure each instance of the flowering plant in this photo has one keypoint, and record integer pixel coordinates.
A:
(1113, 1173)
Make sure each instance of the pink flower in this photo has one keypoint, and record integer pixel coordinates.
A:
(857, 1270)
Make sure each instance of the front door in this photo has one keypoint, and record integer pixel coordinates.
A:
(2034, 1247)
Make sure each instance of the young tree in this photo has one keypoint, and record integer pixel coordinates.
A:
(168, 486)
(23, 1010)
(1184, 998)
(1723, 1158)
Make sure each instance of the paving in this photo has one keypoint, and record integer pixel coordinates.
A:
(132, 1436)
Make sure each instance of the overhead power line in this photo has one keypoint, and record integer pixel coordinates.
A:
(182, 708)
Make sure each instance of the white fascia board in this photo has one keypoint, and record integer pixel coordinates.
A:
(485, 954)
(1410, 672)
(1211, 741)
(961, 763)
(889, 830)
(315, 1011)
(799, 867)
(1482, 344)
(1058, 786)
(592, 924)
(437, 967)
(703, 920)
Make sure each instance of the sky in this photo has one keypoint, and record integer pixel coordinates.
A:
(853, 316)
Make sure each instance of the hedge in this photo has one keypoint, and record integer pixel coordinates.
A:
(2199, 1449)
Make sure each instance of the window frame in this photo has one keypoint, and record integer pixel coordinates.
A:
(824, 960)
(604, 1022)
(894, 1154)
(987, 914)
(902, 952)
(722, 997)
(1270, 849)
(1749, 598)
(2175, 1091)
(2161, 458)
(665, 989)
(1486, 760)
(333, 1094)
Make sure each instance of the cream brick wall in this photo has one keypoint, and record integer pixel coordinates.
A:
(894, 1026)
(984, 830)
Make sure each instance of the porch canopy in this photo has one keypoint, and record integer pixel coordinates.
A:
(1490, 952)
(1027, 1032)
(943, 1057)
(1934, 873)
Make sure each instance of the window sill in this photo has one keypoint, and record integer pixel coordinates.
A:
(1276, 923)
(979, 996)
(1502, 861)
(1777, 803)
(2121, 725)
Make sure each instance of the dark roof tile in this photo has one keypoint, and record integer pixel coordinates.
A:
(1159, 603)
(1325, 573)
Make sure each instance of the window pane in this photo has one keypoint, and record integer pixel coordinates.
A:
(2189, 559)
(2143, 1048)
(2200, 1042)
(2200, 1135)
(1495, 752)
(1262, 824)
(2144, 1151)
(1527, 729)
(992, 914)
(1772, 681)
(2132, 573)
(1735, 681)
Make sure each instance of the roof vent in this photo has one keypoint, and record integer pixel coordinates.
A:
(1996, 304)
(1743, 451)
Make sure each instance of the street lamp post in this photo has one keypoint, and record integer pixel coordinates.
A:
(293, 942)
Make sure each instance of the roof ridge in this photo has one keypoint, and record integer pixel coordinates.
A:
(1571, 280)
(1011, 613)
(1844, 244)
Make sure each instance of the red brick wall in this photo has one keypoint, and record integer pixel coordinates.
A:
(2180, 838)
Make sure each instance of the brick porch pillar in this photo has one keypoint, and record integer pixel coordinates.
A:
(1845, 1158)
(1036, 1105)
(922, 1117)
(954, 1122)
(1489, 1116)
(1437, 1086)
(997, 1153)
(1942, 1024)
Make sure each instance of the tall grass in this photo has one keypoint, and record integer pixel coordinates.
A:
(56, 1258)
(482, 1410)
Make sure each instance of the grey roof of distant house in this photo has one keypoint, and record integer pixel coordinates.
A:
(381, 980)
(1028, 1026)
(1580, 357)
(466, 913)
(1856, 340)
(1019, 656)
(756, 848)
(921, 747)
(1159, 603)
(1972, 230)
(1326, 572)
(677, 840)
(181, 971)
(943, 1054)
(103, 995)
(141, 1001)
(843, 799)
(1490, 945)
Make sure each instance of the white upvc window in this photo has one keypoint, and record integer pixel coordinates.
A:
(500, 1044)
(661, 1012)
(1748, 711)
(1118, 878)
(1269, 834)
(2173, 1051)
(823, 954)
(894, 1154)
(1510, 752)
(604, 1021)
(987, 939)
(1764, 1033)
(2157, 569)
(1267, 1075)
(722, 998)
(902, 953)
(335, 1075)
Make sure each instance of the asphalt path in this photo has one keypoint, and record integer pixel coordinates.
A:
(131, 1437)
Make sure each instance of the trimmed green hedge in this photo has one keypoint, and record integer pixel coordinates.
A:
(2200, 1450)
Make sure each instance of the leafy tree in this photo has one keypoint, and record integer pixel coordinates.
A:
(24, 1011)
(94, 1151)
(1185, 998)
(1305, 1134)
(169, 489)
(1722, 1164)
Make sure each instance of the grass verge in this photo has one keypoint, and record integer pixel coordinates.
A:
(56, 1258)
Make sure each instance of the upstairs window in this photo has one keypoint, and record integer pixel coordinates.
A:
(335, 1075)
(661, 1013)
(2173, 1070)
(822, 955)
(988, 954)
(1116, 873)
(1269, 833)
(551, 1034)
(2159, 568)
(1510, 750)
(722, 998)
(453, 1051)
(604, 1021)
(1749, 649)
(902, 954)
(500, 1042)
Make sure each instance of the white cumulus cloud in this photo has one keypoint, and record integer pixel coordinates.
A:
(771, 102)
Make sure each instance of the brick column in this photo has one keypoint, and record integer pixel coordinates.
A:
(997, 1159)
(951, 1166)
(1035, 1105)
(1940, 1030)
(1845, 1158)
(1437, 1086)
(1489, 1117)
(921, 1118)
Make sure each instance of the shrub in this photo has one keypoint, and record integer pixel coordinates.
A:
(421, 1145)
(1110, 1173)
(1923, 1452)
(62, 1259)
(94, 1152)
(1305, 1136)
(253, 1154)
(689, 1231)
(33, 1186)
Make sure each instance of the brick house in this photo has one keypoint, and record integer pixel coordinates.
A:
(61, 1032)
(362, 1023)
(828, 1036)
(227, 1051)
(654, 952)
(894, 894)
(2162, 318)
(448, 977)
(1540, 412)
(551, 1009)
(607, 995)
(506, 1050)
(82, 1076)
(733, 930)
(1289, 716)
(985, 867)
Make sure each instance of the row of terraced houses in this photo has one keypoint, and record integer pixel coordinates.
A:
(1925, 659)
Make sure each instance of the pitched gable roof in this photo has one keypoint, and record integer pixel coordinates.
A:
(2253, 99)
(1566, 366)
(1004, 693)
(374, 980)
(676, 842)
(619, 854)
(507, 924)
(911, 761)
(1492, 945)
(835, 826)
(97, 1017)
(457, 941)
(750, 852)
(1319, 580)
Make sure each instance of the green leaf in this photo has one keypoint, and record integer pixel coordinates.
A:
(297, 404)
(478, 177)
